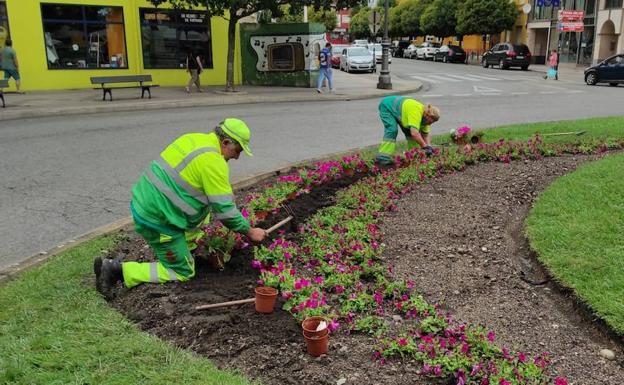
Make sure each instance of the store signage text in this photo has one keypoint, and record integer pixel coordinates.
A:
(570, 15)
(548, 3)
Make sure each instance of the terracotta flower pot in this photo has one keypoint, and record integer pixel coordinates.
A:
(265, 299)
(261, 215)
(349, 172)
(292, 196)
(317, 345)
(310, 324)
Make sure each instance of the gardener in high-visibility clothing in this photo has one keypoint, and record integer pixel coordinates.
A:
(414, 119)
(173, 197)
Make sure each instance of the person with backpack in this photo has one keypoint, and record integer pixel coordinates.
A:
(325, 70)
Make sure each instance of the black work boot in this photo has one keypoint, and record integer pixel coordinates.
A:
(107, 274)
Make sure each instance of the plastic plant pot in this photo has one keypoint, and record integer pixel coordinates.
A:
(317, 345)
(265, 299)
(310, 327)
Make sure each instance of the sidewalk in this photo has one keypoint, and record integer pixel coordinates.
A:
(86, 101)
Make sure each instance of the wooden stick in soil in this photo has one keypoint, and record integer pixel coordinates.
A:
(225, 304)
(579, 133)
(279, 224)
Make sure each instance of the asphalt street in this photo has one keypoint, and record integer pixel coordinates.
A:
(64, 176)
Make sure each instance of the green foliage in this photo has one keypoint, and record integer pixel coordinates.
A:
(481, 17)
(439, 18)
(405, 17)
(359, 24)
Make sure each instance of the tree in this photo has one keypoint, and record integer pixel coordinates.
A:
(485, 17)
(358, 28)
(439, 18)
(237, 9)
(405, 18)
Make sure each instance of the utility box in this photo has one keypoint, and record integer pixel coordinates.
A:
(281, 54)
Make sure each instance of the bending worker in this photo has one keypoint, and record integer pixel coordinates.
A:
(415, 120)
(173, 197)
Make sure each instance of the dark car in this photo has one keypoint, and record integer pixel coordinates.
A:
(506, 55)
(610, 70)
(399, 48)
(450, 53)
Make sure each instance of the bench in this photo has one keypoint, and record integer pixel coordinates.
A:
(104, 82)
(3, 84)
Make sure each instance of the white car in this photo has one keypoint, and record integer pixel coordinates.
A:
(357, 59)
(427, 50)
(360, 43)
(377, 49)
(410, 51)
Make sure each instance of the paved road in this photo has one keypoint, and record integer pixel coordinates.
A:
(62, 177)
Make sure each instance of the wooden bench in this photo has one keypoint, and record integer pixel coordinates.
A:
(105, 81)
(3, 84)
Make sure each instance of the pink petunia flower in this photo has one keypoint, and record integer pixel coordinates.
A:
(402, 342)
(491, 336)
(561, 381)
(256, 264)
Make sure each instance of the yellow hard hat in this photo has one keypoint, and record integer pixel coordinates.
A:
(237, 130)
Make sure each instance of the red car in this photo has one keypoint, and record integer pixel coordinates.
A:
(336, 53)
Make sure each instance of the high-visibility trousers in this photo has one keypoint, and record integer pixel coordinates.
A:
(171, 247)
(387, 148)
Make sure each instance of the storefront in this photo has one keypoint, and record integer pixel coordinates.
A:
(545, 31)
(62, 43)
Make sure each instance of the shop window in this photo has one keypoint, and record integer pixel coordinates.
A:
(169, 36)
(4, 23)
(611, 4)
(286, 57)
(81, 36)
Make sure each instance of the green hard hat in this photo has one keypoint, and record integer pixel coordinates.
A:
(238, 130)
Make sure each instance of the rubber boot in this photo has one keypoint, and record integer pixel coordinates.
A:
(107, 274)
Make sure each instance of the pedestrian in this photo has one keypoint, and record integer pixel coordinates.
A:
(173, 197)
(553, 66)
(194, 67)
(415, 120)
(9, 63)
(325, 70)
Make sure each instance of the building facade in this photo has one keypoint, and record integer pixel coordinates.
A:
(62, 43)
(598, 38)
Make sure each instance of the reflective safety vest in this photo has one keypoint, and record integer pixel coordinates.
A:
(408, 112)
(187, 182)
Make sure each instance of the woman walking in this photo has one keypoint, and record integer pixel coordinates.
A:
(553, 66)
(195, 68)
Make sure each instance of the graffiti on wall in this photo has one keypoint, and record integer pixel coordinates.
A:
(287, 53)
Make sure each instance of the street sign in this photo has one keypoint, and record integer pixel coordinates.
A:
(570, 26)
(570, 15)
(374, 21)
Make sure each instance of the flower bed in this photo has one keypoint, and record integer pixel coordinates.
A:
(330, 266)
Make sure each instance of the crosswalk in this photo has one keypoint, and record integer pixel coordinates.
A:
(453, 78)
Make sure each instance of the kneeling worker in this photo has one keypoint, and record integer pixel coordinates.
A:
(415, 120)
(173, 197)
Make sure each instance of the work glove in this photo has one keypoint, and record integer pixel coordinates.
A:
(428, 150)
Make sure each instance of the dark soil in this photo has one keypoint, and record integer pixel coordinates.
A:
(459, 237)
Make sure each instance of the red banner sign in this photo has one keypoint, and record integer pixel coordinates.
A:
(572, 26)
(570, 15)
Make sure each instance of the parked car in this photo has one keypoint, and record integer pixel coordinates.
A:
(610, 70)
(400, 47)
(360, 43)
(426, 50)
(336, 53)
(506, 55)
(450, 53)
(356, 59)
(377, 49)
(410, 51)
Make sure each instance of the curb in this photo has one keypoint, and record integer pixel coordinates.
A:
(221, 100)
(40, 258)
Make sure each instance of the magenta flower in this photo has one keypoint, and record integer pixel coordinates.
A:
(522, 357)
(244, 213)
(287, 295)
(437, 370)
(561, 381)
(318, 280)
(301, 283)
(503, 381)
(256, 264)
(378, 297)
(333, 325)
(402, 342)
(339, 289)
(491, 336)
(465, 348)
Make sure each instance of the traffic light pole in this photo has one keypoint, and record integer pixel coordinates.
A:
(385, 82)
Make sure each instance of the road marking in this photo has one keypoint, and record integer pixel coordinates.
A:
(479, 77)
(423, 79)
(547, 92)
(519, 93)
(464, 77)
(574, 92)
(445, 78)
(431, 96)
(485, 90)
(491, 94)
(462, 95)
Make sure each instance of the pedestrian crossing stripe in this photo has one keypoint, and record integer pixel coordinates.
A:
(478, 89)
(452, 78)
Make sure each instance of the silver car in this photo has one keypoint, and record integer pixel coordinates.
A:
(377, 50)
(357, 59)
(410, 51)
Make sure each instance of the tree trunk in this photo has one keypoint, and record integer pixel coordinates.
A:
(229, 82)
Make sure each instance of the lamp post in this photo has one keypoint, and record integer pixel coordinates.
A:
(384, 75)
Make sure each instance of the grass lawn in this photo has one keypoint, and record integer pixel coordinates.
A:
(55, 329)
(577, 227)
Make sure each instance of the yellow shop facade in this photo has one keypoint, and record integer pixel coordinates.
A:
(60, 44)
